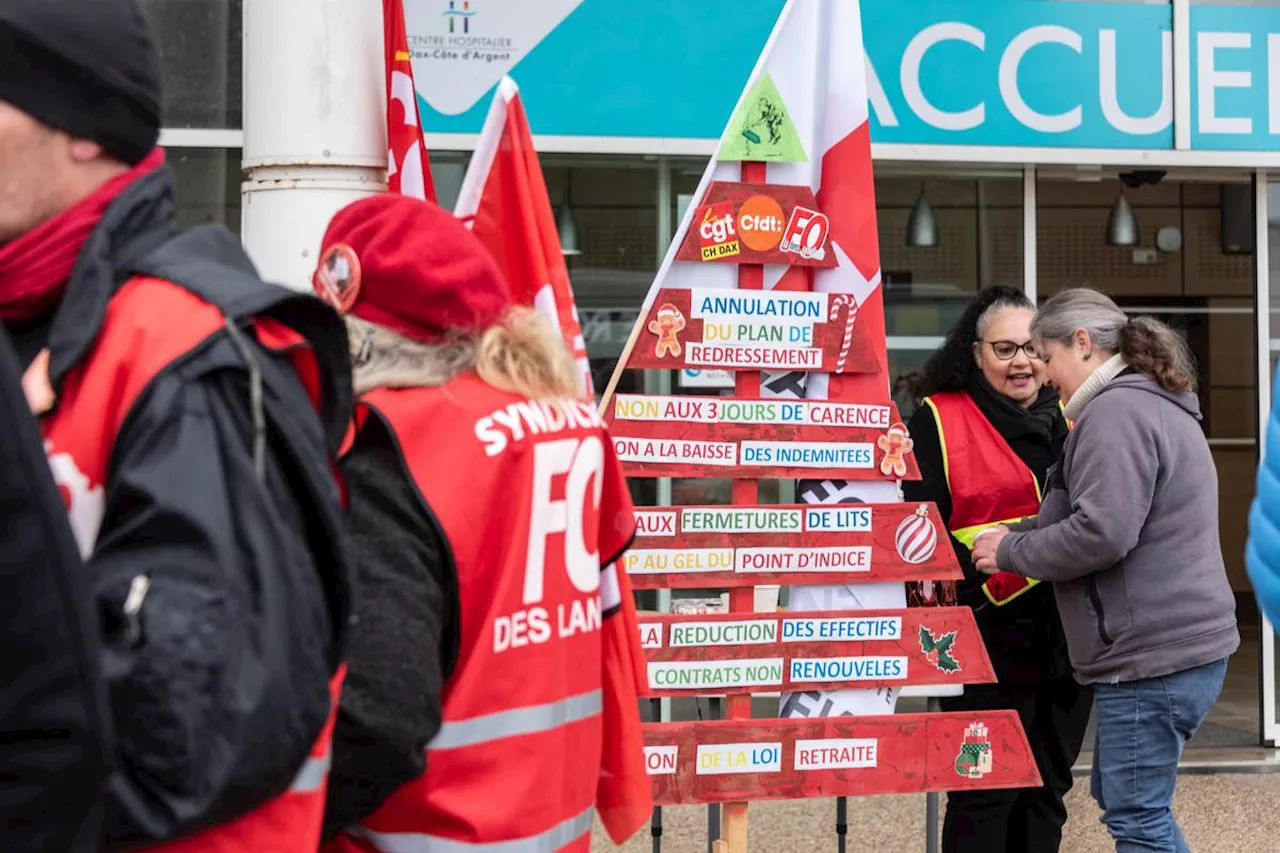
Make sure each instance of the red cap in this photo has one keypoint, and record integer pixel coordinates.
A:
(411, 267)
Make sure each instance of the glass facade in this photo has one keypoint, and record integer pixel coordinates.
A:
(201, 61)
(208, 185)
(978, 217)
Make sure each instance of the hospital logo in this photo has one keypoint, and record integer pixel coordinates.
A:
(459, 15)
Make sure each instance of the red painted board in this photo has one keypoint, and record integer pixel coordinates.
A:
(744, 653)
(722, 547)
(732, 760)
(759, 224)
(753, 330)
(687, 436)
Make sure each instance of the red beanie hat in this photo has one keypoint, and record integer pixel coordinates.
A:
(411, 267)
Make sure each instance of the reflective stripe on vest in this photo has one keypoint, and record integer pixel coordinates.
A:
(968, 535)
(985, 479)
(291, 821)
(535, 719)
(313, 775)
(1002, 587)
(417, 842)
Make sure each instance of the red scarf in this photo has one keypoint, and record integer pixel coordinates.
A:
(35, 267)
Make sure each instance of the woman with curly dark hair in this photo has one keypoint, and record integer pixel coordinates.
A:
(985, 437)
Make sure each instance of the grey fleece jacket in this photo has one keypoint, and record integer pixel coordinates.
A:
(1128, 534)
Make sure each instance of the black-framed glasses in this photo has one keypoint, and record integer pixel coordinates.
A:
(1006, 350)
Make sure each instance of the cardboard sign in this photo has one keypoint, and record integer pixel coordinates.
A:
(734, 760)
(720, 547)
(739, 653)
(759, 224)
(753, 438)
(753, 330)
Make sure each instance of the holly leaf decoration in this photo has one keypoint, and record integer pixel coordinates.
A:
(937, 649)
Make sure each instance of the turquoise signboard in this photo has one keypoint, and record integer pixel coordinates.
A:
(1021, 73)
(1003, 72)
(1235, 72)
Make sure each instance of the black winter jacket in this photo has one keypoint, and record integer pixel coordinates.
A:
(225, 499)
(53, 756)
(1024, 637)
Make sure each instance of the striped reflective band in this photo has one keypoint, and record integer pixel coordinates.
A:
(312, 776)
(966, 536)
(533, 719)
(419, 842)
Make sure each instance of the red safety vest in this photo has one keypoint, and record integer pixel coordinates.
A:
(536, 511)
(989, 483)
(149, 324)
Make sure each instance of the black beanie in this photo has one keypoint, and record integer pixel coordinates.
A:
(88, 68)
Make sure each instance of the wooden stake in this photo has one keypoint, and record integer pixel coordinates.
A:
(733, 820)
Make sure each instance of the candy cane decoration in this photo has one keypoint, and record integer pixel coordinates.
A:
(837, 302)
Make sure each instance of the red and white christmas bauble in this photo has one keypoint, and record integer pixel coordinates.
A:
(917, 538)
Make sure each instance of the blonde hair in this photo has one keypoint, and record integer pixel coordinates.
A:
(520, 354)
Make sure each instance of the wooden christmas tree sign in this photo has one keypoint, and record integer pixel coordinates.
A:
(774, 275)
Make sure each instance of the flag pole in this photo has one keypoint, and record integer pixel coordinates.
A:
(621, 365)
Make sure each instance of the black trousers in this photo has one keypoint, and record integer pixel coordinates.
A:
(1055, 714)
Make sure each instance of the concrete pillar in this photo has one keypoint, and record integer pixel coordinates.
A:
(314, 125)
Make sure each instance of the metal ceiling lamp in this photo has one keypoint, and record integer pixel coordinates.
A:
(567, 228)
(1122, 225)
(566, 222)
(922, 226)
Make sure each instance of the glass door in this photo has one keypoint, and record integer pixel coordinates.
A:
(1193, 268)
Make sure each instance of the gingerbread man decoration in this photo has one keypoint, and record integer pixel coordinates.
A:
(667, 325)
(896, 444)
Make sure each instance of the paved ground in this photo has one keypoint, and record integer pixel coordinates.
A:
(1219, 814)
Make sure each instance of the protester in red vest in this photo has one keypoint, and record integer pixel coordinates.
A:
(985, 438)
(191, 415)
(491, 694)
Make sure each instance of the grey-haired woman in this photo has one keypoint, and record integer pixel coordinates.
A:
(1128, 534)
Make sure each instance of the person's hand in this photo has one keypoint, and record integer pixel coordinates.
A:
(985, 548)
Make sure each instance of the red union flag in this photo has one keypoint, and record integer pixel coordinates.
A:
(408, 171)
(504, 201)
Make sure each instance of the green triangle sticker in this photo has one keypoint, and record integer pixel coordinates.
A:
(761, 129)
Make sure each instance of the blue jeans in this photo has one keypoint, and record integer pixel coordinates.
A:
(1142, 727)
